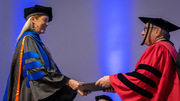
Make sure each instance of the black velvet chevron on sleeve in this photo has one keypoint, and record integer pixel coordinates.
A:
(141, 77)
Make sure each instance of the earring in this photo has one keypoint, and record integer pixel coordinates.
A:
(33, 29)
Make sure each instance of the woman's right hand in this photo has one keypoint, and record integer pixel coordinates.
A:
(75, 85)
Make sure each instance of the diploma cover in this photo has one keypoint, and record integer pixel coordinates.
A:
(91, 87)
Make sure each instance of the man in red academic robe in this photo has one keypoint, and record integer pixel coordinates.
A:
(155, 77)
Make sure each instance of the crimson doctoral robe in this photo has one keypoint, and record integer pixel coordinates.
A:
(154, 79)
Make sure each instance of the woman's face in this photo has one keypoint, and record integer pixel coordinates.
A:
(40, 23)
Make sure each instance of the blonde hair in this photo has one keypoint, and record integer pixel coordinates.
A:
(27, 26)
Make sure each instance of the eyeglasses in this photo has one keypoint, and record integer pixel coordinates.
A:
(145, 28)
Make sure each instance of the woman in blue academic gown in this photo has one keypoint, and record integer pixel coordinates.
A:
(34, 75)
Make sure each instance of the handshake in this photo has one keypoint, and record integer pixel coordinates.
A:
(86, 88)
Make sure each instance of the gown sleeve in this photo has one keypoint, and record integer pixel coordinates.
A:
(43, 81)
(142, 83)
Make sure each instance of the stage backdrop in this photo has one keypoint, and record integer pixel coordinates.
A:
(88, 39)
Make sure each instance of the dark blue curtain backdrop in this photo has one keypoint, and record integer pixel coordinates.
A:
(88, 39)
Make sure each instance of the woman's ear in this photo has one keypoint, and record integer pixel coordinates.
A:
(33, 19)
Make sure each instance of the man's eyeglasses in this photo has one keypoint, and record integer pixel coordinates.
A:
(145, 28)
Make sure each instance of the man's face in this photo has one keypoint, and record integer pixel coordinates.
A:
(151, 37)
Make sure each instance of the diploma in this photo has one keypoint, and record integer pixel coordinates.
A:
(91, 87)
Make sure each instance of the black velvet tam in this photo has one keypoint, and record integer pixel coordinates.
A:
(37, 9)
